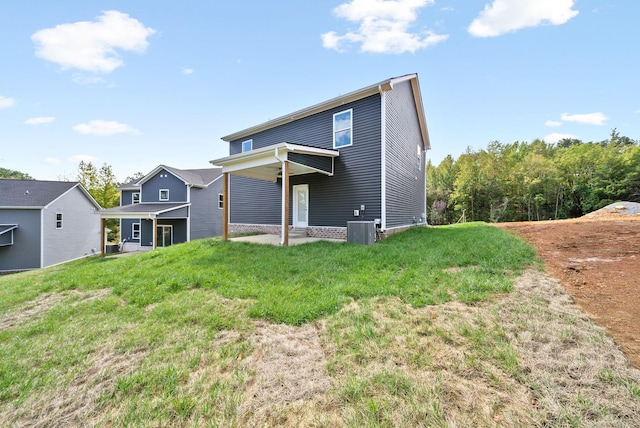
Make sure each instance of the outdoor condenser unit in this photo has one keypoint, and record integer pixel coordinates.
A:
(361, 232)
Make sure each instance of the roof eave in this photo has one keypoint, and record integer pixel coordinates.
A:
(318, 108)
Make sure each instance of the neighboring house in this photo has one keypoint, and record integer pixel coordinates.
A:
(360, 156)
(169, 206)
(44, 223)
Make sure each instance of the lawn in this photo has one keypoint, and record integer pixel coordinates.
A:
(421, 329)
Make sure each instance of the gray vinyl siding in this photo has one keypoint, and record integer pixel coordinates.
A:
(357, 179)
(6, 238)
(126, 198)
(25, 251)
(179, 229)
(164, 180)
(206, 218)
(179, 213)
(254, 201)
(126, 229)
(80, 232)
(405, 192)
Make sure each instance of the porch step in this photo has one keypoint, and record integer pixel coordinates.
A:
(298, 232)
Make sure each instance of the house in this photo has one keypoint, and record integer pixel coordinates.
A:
(358, 157)
(169, 206)
(44, 223)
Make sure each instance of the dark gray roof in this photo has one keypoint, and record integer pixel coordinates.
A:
(144, 209)
(32, 193)
(4, 228)
(194, 177)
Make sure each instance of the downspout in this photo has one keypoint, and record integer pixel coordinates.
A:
(383, 161)
(284, 214)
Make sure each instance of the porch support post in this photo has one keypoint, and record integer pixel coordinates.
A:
(225, 206)
(155, 232)
(285, 203)
(103, 223)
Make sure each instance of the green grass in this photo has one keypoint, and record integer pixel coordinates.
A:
(169, 337)
(301, 283)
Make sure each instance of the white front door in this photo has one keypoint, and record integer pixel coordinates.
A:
(301, 205)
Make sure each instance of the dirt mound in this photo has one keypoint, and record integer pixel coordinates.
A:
(616, 209)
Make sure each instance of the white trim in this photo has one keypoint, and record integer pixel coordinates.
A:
(41, 238)
(350, 128)
(61, 220)
(295, 205)
(133, 232)
(336, 102)
(160, 198)
(132, 199)
(383, 162)
(250, 141)
(220, 199)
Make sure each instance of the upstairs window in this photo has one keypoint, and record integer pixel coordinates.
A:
(164, 195)
(343, 129)
(135, 198)
(247, 146)
(419, 159)
(58, 220)
(220, 201)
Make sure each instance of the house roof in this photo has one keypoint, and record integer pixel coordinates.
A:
(142, 210)
(192, 177)
(378, 88)
(35, 193)
(4, 228)
(265, 163)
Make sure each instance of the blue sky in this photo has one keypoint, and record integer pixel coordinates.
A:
(135, 84)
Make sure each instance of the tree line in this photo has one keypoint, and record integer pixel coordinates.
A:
(525, 181)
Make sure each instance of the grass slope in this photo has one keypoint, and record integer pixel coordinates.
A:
(214, 333)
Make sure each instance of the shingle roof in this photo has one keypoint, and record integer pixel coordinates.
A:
(196, 177)
(31, 193)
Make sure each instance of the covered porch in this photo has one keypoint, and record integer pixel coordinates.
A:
(278, 161)
(160, 224)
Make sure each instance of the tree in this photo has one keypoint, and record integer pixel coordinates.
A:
(102, 185)
(14, 175)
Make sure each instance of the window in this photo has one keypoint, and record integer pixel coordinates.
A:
(135, 231)
(220, 201)
(164, 194)
(419, 159)
(135, 198)
(58, 220)
(247, 146)
(342, 129)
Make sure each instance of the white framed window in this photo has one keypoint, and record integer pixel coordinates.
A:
(135, 198)
(247, 146)
(343, 129)
(419, 159)
(220, 201)
(58, 220)
(135, 231)
(163, 194)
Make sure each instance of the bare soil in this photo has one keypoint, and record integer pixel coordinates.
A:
(597, 260)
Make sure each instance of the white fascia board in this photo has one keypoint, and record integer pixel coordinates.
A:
(383, 164)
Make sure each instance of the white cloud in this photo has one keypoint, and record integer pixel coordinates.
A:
(553, 123)
(104, 128)
(555, 137)
(588, 118)
(51, 160)
(187, 71)
(83, 158)
(504, 16)
(6, 102)
(39, 120)
(92, 45)
(383, 26)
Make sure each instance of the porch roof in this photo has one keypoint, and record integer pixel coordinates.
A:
(4, 228)
(141, 210)
(265, 163)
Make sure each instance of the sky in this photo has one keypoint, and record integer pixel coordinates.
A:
(137, 84)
